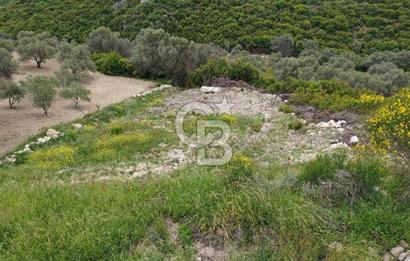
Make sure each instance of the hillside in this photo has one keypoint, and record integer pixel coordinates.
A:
(357, 25)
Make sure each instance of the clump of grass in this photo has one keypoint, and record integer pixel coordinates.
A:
(322, 168)
(286, 109)
(295, 124)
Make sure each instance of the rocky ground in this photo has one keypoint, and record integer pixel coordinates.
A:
(271, 141)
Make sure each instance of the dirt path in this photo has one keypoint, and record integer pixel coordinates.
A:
(20, 123)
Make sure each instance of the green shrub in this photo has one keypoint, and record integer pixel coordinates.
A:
(286, 109)
(113, 64)
(238, 71)
(242, 71)
(295, 124)
(213, 68)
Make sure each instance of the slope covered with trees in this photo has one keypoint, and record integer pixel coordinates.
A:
(360, 26)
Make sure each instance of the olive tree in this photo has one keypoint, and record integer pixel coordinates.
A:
(7, 64)
(75, 58)
(42, 90)
(76, 92)
(103, 40)
(36, 47)
(284, 45)
(65, 77)
(11, 91)
(156, 54)
(7, 44)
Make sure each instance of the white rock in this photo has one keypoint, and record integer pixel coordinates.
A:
(312, 126)
(354, 140)
(47, 138)
(11, 158)
(41, 141)
(165, 86)
(208, 89)
(397, 251)
(27, 146)
(403, 255)
(78, 126)
(404, 244)
(53, 133)
(341, 130)
(388, 257)
(339, 145)
(341, 124)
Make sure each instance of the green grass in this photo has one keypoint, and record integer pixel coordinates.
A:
(259, 211)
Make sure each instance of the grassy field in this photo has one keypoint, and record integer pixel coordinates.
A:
(248, 210)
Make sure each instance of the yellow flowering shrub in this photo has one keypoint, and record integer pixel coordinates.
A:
(126, 139)
(390, 126)
(54, 158)
(239, 169)
(368, 101)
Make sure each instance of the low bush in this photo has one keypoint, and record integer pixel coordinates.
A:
(237, 70)
(295, 124)
(113, 64)
(286, 109)
(334, 178)
(390, 126)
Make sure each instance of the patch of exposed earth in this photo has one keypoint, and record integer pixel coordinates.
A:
(17, 124)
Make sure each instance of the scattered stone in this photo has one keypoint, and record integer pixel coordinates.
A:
(335, 141)
(354, 140)
(52, 133)
(210, 90)
(397, 251)
(388, 257)
(403, 256)
(77, 126)
(341, 130)
(11, 158)
(40, 141)
(335, 246)
(332, 124)
(339, 145)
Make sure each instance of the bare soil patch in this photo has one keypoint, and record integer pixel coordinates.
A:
(18, 124)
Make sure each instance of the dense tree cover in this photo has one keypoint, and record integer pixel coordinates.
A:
(157, 54)
(361, 26)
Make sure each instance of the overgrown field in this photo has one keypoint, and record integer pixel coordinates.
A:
(51, 209)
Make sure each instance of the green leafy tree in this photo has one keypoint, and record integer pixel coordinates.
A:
(42, 90)
(36, 47)
(284, 45)
(103, 40)
(76, 92)
(11, 91)
(7, 64)
(75, 58)
(7, 44)
(65, 77)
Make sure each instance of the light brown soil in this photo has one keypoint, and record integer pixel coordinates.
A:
(23, 121)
